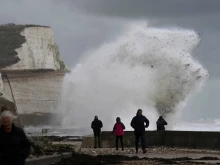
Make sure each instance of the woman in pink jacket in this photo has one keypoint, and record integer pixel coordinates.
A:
(118, 131)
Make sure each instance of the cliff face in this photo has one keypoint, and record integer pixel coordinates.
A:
(36, 94)
(28, 47)
(34, 91)
(32, 71)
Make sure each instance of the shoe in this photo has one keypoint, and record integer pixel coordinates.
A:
(144, 151)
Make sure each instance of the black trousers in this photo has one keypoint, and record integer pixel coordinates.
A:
(121, 140)
(97, 138)
(139, 135)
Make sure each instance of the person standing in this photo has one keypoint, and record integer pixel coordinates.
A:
(14, 144)
(161, 124)
(118, 131)
(139, 123)
(96, 126)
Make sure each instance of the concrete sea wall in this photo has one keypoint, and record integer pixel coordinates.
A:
(185, 139)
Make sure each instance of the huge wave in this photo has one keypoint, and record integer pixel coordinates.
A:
(149, 68)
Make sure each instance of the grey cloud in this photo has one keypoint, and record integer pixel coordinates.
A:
(148, 8)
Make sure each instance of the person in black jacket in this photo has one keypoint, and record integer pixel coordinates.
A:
(139, 123)
(14, 144)
(96, 126)
(161, 124)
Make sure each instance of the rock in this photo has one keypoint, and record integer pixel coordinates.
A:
(94, 153)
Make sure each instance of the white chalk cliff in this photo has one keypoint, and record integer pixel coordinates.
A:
(39, 51)
(31, 62)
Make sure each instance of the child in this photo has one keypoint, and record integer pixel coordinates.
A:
(118, 131)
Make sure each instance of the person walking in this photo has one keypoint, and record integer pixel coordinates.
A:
(139, 123)
(15, 147)
(96, 126)
(118, 131)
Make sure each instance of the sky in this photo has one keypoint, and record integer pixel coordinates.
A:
(80, 25)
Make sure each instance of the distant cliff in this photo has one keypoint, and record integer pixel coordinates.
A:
(31, 73)
(28, 47)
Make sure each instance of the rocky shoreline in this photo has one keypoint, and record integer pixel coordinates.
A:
(44, 146)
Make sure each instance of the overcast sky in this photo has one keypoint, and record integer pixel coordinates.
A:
(83, 24)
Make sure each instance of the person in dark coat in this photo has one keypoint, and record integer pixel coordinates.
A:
(118, 131)
(96, 126)
(139, 123)
(161, 124)
(14, 144)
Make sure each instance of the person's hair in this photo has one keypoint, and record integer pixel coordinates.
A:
(7, 113)
(4, 107)
(140, 110)
(118, 119)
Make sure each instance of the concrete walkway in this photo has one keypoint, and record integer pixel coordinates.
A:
(177, 154)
